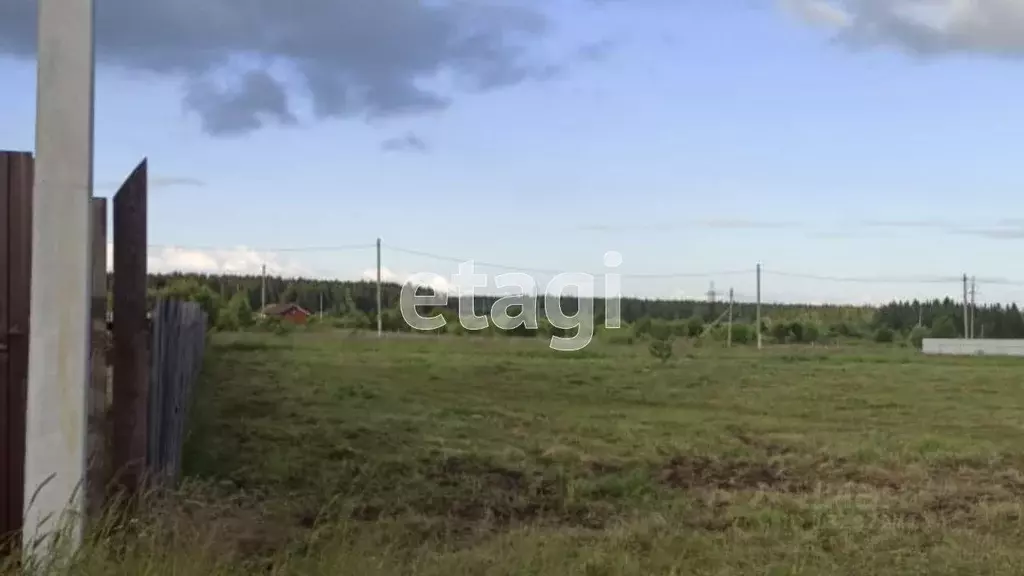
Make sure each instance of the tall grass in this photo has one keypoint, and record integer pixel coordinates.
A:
(323, 454)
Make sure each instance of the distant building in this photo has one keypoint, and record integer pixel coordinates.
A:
(290, 312)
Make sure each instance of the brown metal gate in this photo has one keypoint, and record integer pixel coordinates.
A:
(15, 283)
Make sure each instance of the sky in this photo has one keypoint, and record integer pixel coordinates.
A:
(860, 151)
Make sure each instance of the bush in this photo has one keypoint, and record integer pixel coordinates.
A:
(719, 333)
(642, 326)
(227, 321)
(844, 329)
(917, 336)
(660, 329)
(392, 321)
(780, 332)
(679, 328)
(190, 290)
(622, 336)
(741, 333)
(455, 328)
(661, 349)
(811, 332)
(943, 327)
(796, 330)
(354, 320)
(694, 326)
(884, 335)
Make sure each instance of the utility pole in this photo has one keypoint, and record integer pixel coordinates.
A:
(974, 310)
(59, 310)
(758, 314)
(729, 336)
(711, 302)
(321, 305)
(967, 333)
(380, 311)
(263, 292)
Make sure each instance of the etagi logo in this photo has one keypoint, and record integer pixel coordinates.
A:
(523, 299)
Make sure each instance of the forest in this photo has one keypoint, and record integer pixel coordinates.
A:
(231, 300)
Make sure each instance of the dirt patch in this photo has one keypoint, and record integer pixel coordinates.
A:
(229, 528)
(475, 490)
(703, 472)
(776, 473)
(769, 447)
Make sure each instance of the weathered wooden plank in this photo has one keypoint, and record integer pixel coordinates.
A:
(15, 253)
(131, 372)
(6, 453)
(19, 264)
(158, 363)
(191, 338)
(178, 342)
(98, 441)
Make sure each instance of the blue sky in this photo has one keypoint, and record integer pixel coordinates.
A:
(692, 140)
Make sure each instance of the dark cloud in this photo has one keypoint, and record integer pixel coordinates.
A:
(407, 143)
(256, 98)
(596, 51)
(923, 27)
(350, 58)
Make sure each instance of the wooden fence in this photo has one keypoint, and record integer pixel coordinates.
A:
(178, 343)
(15, 269)
(136, 400)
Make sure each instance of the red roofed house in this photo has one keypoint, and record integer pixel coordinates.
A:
(289, 312)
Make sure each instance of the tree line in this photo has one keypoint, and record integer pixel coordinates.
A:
(231, 301)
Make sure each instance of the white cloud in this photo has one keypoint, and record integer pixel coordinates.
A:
(239, 260)
(426, 279)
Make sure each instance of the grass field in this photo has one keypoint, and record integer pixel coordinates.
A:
(326, 454)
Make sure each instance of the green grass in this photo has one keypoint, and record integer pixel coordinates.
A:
(320, 453)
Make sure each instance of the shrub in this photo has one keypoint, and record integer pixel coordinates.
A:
(694, 326)
(660, 329)
(240, 306)
(621, 337)
(741, 333)
(642, 326)
(884, 335)
(190, 290)
(844, 329)
(455, 328)
(315, 323)
(354, 320)
(943, 327)
(796, 330)
(917, 336)
(661, 349)
(679, 328)
(283, 328)
(811, 332)
(227, 320)
(780, 332)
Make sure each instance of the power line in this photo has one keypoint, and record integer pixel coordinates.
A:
(551, 271)
(998, 281)
(867, 279)
(341, 248)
